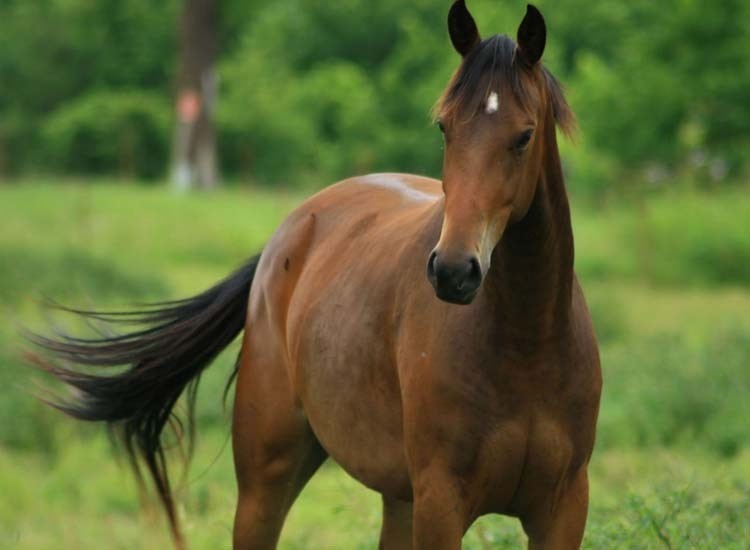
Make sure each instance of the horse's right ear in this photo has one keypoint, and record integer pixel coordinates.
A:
(462, 28)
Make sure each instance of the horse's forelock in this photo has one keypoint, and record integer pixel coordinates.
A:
(490, 65)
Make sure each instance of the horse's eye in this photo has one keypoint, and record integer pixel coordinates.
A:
(522, 140)
(441, 126)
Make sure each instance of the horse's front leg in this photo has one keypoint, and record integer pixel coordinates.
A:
(442, 447)
(446, 488)
(561, 526)
(440, 510)
(396, 532)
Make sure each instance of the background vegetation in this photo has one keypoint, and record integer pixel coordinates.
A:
(313, 91)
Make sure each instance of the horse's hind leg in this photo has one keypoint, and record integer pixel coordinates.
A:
(395, 533)
(275, 451)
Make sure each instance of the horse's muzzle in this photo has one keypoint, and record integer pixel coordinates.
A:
(455, 281)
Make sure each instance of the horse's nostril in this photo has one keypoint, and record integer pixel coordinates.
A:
(431, 264)
(475, 273)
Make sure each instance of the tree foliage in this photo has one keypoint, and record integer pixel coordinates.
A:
(312, 91)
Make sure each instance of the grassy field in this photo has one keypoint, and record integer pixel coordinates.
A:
(667, 277)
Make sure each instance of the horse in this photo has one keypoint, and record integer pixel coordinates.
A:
(429, 336)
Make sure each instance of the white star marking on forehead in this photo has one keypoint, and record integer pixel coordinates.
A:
(493, 103)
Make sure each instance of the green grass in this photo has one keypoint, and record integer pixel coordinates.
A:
(675, 238)
(670, 299)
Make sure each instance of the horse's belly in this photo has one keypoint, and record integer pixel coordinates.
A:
(356, 416)
(351, 397)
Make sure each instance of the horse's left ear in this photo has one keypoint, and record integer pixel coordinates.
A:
(462, 28)
(532, 36)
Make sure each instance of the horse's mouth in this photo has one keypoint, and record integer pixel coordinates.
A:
(458, 297)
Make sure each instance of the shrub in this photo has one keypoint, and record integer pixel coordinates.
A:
(694, 240)
(126, 129)
(674, 238)
(668, 391)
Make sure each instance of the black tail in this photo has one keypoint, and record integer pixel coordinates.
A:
(180, 339)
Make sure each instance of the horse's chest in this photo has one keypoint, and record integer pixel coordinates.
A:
(516, 432)
(540, 441)
(522, 463)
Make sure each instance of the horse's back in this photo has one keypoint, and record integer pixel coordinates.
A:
(343, 214)
(345, 234)
(378, 198)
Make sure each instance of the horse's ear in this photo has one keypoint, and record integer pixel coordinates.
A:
(462, 28)
(532, 36)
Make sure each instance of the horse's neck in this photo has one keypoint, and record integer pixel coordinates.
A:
(531, 277)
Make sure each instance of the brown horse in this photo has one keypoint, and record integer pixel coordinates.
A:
(449, 411)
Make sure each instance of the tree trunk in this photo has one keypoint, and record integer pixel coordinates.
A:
(195, 160)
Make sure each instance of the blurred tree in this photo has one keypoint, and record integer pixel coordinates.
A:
(195, 136)
(106, 132)
(55, 53)
(313, 90)
(671, 92)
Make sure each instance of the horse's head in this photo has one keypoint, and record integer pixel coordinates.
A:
(497, 115)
